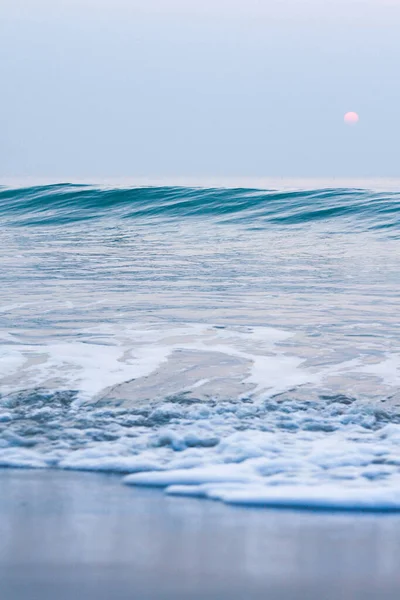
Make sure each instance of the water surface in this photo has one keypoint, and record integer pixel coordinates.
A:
(242, 342)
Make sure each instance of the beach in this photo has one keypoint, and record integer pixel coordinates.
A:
(70, 535)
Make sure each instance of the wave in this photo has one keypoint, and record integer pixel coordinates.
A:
(68, 203)
(321, 452)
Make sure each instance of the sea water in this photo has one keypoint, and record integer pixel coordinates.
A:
(235, 343)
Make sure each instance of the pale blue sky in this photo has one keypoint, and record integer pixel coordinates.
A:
(155, 88)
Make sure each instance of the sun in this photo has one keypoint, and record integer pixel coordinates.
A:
(351, 118)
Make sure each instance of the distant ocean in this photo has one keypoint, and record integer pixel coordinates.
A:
(231, 343)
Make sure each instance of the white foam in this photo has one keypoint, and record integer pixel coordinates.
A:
(388, 370)
(10, 361)
(298, 450)
(121, 355)
(22, 458)
(279, 373)
(87, 368)
(196, 476)
(322, 497)
(124, 354)
(286, 456)
(275, 372)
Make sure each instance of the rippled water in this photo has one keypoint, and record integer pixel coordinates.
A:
(240, 344)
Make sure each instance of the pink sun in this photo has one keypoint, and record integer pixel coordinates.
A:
(351, 118)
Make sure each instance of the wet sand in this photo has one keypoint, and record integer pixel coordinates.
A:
(84, 536)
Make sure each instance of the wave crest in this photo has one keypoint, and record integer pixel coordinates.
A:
(64, 203)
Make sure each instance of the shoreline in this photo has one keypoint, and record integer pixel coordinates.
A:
(69, 534)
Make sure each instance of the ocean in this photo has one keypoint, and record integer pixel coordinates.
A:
(234, 343)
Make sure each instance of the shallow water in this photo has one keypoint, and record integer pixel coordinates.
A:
(81, 535)
(242, 342)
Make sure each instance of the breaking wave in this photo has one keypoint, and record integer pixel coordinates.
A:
(63, 203)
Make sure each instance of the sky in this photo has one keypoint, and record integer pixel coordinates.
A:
(199, 88)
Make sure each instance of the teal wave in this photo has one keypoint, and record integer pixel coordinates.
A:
(66, 203)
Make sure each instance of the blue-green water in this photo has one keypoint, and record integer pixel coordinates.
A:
(358, 209)
(242, 339)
